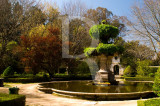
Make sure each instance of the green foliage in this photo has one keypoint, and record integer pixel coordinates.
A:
(128, 71)
(83, 69)
(26, 80)
(8, 71)
(149, 102)
(11, 45)
(151, 75)
(107, 49)
(140, 103)
(156, 85)
(143, 68)
(12, 100)
(133, 51)
(103, 22)
(139, 79)
(105, 33)
(13, 90)
(38, 31)
(88, 51)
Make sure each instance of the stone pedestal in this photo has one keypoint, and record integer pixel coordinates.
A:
(102, 74)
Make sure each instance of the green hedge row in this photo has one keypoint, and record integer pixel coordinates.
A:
(42, 79)
(12, 100)
(149, 102)
(25, 80)
(72, 77)
(139, 79)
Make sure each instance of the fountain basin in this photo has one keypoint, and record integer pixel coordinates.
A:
(87, 90)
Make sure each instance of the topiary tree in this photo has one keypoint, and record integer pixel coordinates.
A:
(106, 49)
(105, 33)
(156, 85)
(8, 71)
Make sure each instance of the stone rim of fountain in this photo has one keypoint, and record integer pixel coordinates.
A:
(96, 96)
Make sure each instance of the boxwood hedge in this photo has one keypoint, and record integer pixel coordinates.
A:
(12, 100)
(139, 79)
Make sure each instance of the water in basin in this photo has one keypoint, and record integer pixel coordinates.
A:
(89, 87)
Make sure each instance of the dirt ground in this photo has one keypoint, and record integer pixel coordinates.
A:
(37, 98)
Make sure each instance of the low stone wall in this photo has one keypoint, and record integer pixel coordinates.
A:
(106, 96)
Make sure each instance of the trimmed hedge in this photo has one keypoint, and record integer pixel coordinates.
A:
(139, 79)
(12, 100)
(149, 102)
(42, 79)
(25, 80)
(72, 77)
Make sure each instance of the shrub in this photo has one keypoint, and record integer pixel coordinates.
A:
(83, 69)
(8, 71)
(153, 70)
(156, 85)
(143, 68)
(128, 71)
(151, 75)
(12, 100)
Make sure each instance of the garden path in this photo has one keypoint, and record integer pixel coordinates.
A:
(37, 98)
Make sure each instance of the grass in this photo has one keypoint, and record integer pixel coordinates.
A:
(8, 97)
(12, 100)
(7, 85)
(149, 102)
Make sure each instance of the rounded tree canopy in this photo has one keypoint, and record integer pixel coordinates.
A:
(105, 33)
(107, 49)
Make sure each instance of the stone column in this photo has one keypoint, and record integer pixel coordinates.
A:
(102, 74)
(105, 74)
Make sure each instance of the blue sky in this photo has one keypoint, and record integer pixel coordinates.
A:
(118, 7)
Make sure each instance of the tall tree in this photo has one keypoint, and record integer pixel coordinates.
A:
(99, 14)
(74, 8)
(42, 52)
(146, 22)
(79, 32)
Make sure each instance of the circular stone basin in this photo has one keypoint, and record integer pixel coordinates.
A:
(87, 90)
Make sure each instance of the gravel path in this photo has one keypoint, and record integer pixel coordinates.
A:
(37, 98)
